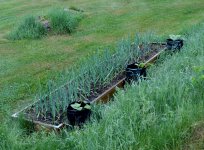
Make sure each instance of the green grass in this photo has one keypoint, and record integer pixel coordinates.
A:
(58, 20)
(62, 21)
(29, 28)
(154, 114)
(24, 62)
(105, 22)
(85, 80)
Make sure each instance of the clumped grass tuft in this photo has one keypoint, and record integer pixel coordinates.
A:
(29, 28)
(63, 21)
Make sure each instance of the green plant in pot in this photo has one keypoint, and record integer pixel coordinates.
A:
(78, 112)
(175, 42)
(135, 71)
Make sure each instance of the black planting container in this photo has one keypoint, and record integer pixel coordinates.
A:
(174, 44)
(134, 72)
(78, 117)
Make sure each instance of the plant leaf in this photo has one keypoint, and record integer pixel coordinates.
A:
(87, 106)
(75, 105)
(141, 65)
(174, 37)
(79, 108)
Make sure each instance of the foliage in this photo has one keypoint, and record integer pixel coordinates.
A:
(159, 110)
(63, 21)
(78, 106)
(24, 62)
(48, 56)
(90, 76)
(198, 78)
(29, 28)
(199, 70)
(175, 37)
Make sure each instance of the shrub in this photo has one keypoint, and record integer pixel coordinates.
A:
(62, 21)
(29, 28)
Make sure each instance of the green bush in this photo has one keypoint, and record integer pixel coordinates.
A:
(29, 28)
(62, 21)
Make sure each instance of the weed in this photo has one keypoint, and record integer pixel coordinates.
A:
(63, 21)
(29, 28)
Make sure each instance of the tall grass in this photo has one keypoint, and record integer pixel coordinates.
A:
(60, 22)
(29, 28)
(154, 114)
(63, 21)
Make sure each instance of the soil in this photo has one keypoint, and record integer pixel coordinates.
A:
(30, 113)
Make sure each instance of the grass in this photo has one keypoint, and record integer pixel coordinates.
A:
(62, 21)
(29, 28)
(25, 62)
(59, 22)
(154, 114)
(90, 77)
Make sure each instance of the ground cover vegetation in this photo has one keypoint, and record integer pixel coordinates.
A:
(58, 21)
(29, 28)
(164, 119)
(24, 62)
(87, 81)
(160, 110)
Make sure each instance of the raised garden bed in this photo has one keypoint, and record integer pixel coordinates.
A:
(100, 95)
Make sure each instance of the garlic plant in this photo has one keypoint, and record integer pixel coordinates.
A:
(94, 73)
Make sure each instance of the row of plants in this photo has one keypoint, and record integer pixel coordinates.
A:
(56, 21)
(96, 74)
(155, 114)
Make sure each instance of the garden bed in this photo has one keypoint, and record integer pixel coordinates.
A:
(100, 95)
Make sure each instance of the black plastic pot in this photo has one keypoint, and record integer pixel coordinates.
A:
(78, 117)
(174, 44)
(134, 72)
